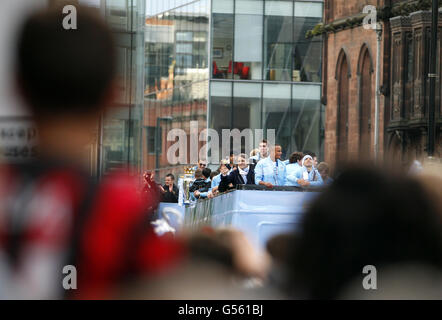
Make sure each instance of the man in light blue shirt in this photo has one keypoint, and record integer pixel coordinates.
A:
(306, 176)
(293, 166)
(271, 171)
(262, 153)
(216, 180)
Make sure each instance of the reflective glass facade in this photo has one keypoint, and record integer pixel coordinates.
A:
(176, 77)
(231, 64)
(265, 73)
(120, 131)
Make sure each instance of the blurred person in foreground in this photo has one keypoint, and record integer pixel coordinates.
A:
(220, 264)
(149, 191)
(279, 248)
(368, 218)
(431, 178)
(52, 213)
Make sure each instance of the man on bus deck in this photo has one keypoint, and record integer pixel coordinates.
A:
(271, 171)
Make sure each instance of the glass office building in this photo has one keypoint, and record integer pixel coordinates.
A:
(232, 64)
(222, 64)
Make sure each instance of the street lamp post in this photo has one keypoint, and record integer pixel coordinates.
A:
(432, 77)
(158, 142)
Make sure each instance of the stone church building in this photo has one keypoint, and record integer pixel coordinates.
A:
(349, 87)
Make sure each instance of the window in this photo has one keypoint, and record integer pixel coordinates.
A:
(277, 113)
(246, 106)
(307, 52)
(151, 137)
(184, 48)
(222, 46)
(409, 83)
(248, 47)
(184, 36)
(410, 58)
(265, 40)
(365, 91)
(191, 49)
(278, 41)
(343, 102)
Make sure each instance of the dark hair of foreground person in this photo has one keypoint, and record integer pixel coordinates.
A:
(366, 217)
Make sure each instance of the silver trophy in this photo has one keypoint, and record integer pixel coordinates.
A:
(188, 179)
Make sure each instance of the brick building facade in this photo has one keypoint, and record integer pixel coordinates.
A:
(349, 80)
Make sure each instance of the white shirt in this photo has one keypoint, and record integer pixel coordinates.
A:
(244, 173)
